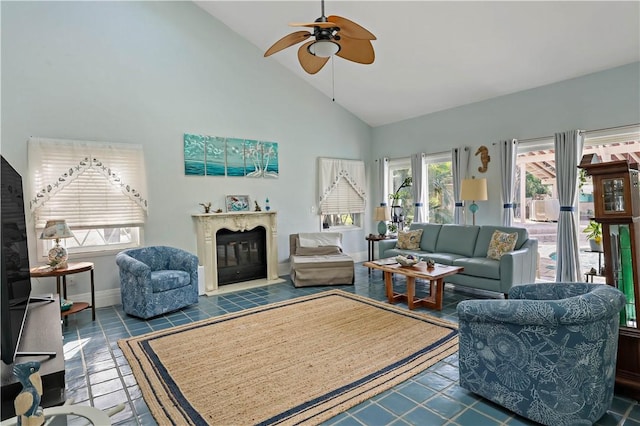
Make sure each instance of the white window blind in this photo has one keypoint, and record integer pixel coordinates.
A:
(343, 199)
(342, 184)
(89, 184)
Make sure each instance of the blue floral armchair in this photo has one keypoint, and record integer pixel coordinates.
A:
(158, 279)
(548, 352)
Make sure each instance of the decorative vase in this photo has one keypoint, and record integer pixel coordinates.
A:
(382, 228)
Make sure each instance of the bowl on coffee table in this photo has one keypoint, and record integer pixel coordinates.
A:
(408, 260)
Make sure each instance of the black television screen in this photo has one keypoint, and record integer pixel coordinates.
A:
(16, 281)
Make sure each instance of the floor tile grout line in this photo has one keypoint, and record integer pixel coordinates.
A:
(252, 298)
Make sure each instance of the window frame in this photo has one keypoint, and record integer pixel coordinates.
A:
(439, 158)
(404, 163)
(92, 173)
(397, 164)
(341, 175)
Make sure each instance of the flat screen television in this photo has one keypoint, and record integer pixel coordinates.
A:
(16, 280)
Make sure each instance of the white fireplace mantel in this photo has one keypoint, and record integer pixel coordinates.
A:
(207, 226)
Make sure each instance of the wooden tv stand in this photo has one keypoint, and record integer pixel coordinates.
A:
(42, 333)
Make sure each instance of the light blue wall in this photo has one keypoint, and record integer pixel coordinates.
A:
(146, 72)
(601, 100)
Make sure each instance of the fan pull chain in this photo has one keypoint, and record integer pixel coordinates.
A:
(333, 82)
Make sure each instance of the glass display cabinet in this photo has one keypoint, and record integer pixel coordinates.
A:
(616, 191)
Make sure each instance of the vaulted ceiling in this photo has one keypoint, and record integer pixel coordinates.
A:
(435, 55)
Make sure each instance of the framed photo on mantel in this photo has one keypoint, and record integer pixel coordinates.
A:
(237, 203)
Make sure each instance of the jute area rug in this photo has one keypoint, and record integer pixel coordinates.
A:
(301, 361)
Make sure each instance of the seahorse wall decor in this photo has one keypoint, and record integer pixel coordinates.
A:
(484, 158)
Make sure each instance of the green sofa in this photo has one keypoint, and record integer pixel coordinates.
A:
(467, 246)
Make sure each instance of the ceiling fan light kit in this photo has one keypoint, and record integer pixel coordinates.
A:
(323, 48)
(334, 35)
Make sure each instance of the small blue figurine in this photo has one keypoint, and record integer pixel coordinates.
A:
(27, 403)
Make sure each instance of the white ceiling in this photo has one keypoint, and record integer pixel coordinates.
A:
(435, 55)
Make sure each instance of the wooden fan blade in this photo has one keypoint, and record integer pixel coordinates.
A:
(350, 28)
(310, 63)
(355, 50)
(286, 41)
(313, 24)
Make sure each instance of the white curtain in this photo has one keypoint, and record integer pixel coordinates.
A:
(508, 151)
(383, 180)
(459, 165)
(341, 186)
(87, 183)
(418, 190)
(568, 152)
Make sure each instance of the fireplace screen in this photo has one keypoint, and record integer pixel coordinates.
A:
(241, 255)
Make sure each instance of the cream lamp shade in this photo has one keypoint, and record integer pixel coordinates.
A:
(383, 215)
(324, 48)
(474, 190)
(55, 230)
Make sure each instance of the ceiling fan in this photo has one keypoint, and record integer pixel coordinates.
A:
(333, 35)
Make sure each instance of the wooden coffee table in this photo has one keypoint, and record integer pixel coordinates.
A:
(435, 277)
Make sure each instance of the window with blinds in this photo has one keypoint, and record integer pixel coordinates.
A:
(342, 200)
(98, 188)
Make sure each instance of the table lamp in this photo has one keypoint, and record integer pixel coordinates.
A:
(55, 230)
(474, 190)
(382, 214)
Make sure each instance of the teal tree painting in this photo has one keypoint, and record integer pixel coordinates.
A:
(270, 159)
(204, 155)
(215, 156)
(253, 158)
(219, 156)
(261, 159)
(235, 157)
(194, 155)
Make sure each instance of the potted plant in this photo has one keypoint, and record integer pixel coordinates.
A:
(401, 191)
(594, 235)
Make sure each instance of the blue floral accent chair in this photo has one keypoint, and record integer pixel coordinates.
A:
(548, 352)
(158, 279)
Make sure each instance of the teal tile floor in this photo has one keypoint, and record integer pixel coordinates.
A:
(97, 373)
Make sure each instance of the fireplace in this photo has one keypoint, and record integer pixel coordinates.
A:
(241, 255)
(207, 227)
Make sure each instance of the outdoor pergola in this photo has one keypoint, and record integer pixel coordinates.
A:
(541, 163)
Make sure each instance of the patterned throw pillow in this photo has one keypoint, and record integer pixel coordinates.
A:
(409, 240)
(501, 243)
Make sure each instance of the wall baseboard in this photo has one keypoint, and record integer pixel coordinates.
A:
(103, 298)
(112, 296)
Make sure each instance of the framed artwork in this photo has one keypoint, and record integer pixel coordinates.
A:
(237, 203)
(270, 160)
(253, 158)
(261, 159)
(194, 159)
(204, 155)
(235, 157)
(215, 156)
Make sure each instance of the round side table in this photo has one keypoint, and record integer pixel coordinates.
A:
(72, 268)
